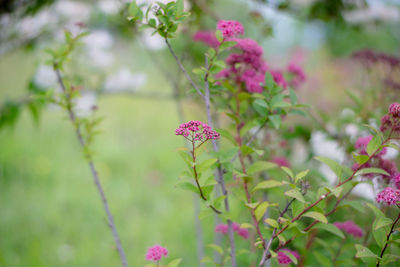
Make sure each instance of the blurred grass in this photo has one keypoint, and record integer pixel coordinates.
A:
(51, 213)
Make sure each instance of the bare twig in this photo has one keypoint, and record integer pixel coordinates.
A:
(93, 170)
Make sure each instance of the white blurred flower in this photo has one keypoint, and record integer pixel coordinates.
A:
(391, 153)
(152, 42)
(364, 190)
(124, 80)
(110, 7)
(85, 103)
(324, 147)
(73, 10)
(45, 77)
(375, 11)
(352, 131)
(30, 27)
(98, 45)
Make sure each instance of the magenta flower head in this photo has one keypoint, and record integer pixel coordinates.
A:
(298, 76)
(206, 37)
(281, 161)
(196, 131)
(350, 227)
(283, 258)
(389, 195)
(155, 253)
(223, 229)
(230, 28)
(394, 110)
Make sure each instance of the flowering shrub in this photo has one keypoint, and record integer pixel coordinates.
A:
(242, 160)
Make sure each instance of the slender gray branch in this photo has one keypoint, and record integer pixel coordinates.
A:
(93, 170)
(178, 61)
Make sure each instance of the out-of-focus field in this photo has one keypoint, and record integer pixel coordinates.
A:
(51, 213)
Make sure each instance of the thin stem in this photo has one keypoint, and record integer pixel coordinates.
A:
(93, 170)
(387, 240)
(221, 181)
(183, 68)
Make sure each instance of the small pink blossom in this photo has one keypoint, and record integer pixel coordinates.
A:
(386, 123)
(206, 37)
(155, 253)
(281, 161)
(394, 109)
(350, 227)
(230, 28)
(283, 258)
(278, 78)
(223, 229)
(389, 195)
(396, 180)
(298, 75)
(196, 131)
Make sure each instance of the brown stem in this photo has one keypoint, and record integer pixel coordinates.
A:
(387, 240)
(93, 170)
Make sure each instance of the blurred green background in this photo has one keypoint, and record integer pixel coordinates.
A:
(51, 213)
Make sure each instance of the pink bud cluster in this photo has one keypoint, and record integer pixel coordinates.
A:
(389, 195)
(196, 131)
(230, 28)
(207, 37)
(391, 121)
(350, 228)
(248, 66)
(155, 253)
(223, 229)
(281, 161)
(283, 258)
(298, 75)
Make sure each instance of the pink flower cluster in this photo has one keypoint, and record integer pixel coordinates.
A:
(223, 229)
(196, 131)
(350, 227)
(207, 37)
(281, 161)
(392, 119)
(389, 195)
(230, 28)
(283, 258)
(248, 66)
(155, 253)
(298, 75)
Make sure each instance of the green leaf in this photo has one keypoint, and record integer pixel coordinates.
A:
(300, 175)
(260, 210)
(205, 165)
(374, 145)
(338, 169)
(261, 107)
(371, 170)
(382, 222)
(219, 36)
(179, 7)
(276, 120)
(259, 166)
(188, 186)
(272, 222)
(317, 216)
(297, 207)
(363, 252)
(288, 171)
(269, 80)
(295, 193)
(388, 258)
(227, 44)
(379, 235)
(267, 184)
(330, 228)
(360, 159)
(216, 248)
(227, 135)
(174, 263)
